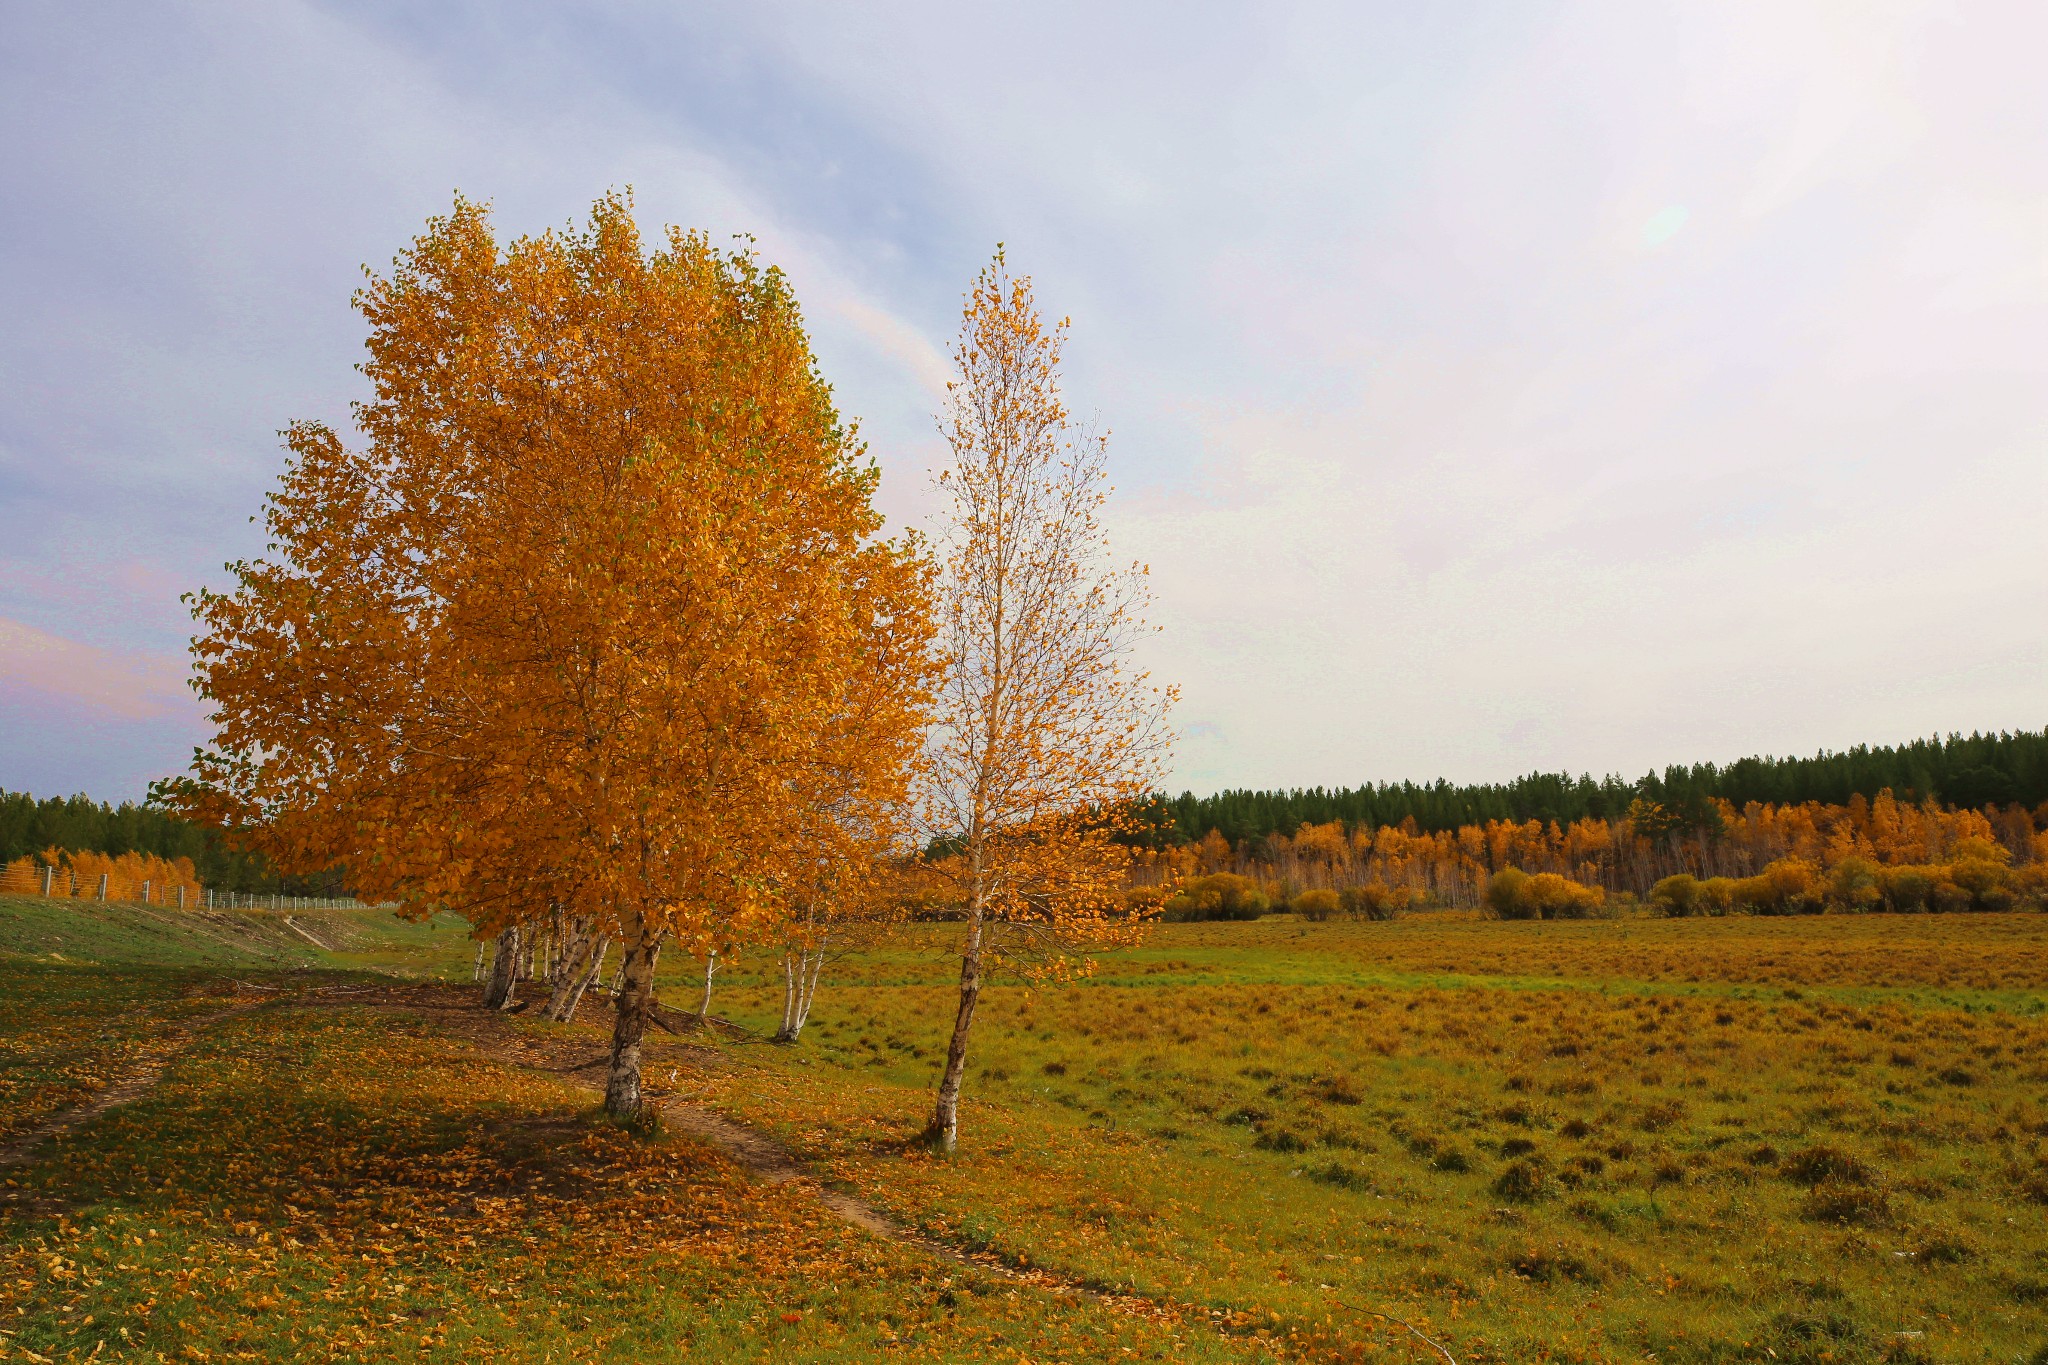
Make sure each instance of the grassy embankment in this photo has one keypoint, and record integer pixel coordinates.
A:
(1695, 1141)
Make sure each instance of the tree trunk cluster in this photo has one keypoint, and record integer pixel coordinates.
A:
(801, 968)
(567, 953)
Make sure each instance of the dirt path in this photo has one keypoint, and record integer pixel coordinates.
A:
(149, 1065)
(140, 1077)
(769, 1161)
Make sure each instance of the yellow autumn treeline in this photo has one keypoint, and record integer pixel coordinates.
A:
(1865, 854)
(129, 876)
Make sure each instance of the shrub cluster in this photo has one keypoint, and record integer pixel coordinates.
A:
(1227, 896)
(1373, 901)
(1317, 903)
(1221, 895)
(1378, 901)
(1978, 876)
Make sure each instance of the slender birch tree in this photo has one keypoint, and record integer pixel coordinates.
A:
(1046, 735)
(568, 627)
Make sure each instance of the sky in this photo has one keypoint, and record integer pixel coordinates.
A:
(1491, 387)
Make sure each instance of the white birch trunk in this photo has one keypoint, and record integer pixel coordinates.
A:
(710, 970)
(583, 984)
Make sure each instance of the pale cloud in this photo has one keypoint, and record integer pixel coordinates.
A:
(107, 683)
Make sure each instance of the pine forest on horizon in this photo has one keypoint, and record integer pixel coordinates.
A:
(1972, 771)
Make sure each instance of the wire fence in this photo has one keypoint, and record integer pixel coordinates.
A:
(23, 878)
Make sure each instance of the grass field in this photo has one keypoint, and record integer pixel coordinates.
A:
(1813, 1140)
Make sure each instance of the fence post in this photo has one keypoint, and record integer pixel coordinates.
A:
(103, 886)
(49, 875)
(145, 891)
(181, 895)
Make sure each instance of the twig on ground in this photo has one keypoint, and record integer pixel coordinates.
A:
(660, 1014)
(1413, 1330)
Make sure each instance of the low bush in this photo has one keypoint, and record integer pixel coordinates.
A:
(1513, 894)
(1677, 896)
(1336, 1090)
(1943, 1246)
(1316, 904)
(1812, 1166)
(1847, 1202)
(1452, 1158)
(1377, 901)
(1280, 1139)
(1340, 1175)
(1544, 1264)
(1220, 896)
(1789, 886)
(1856, 884)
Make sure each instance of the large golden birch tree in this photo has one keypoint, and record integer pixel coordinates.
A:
(598, 601)
(1046, 735)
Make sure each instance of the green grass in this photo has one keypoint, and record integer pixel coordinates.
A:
(1801, 1140)
(84, 932)
(1596, 1167)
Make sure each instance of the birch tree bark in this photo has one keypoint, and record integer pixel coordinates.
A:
(635, 1007)
(500, 990)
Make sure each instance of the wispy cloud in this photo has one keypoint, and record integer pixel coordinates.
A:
(1573, 385)
(102, 683)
